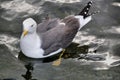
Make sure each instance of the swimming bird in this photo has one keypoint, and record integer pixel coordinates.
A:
(51, 36)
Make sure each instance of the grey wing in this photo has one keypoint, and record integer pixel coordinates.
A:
(60, 36)
(52, 39)
(47, 25)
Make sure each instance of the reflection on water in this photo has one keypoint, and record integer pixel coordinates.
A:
(28, 74)
(80, 54)
(72, 51)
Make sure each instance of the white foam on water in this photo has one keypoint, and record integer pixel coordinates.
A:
(113, 29)
(116, 4)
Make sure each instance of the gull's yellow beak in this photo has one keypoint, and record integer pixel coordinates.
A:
(25, 32)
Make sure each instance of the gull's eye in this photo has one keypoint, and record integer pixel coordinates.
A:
(32, 25)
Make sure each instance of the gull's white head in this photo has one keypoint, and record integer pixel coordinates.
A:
(29, 26)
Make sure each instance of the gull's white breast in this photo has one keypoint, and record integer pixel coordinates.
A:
(31, 46)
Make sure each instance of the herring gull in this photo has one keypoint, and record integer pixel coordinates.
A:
(51, 36)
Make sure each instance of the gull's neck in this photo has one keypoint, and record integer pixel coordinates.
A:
(31, 38)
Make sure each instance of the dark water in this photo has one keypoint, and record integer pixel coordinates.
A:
(96, 58)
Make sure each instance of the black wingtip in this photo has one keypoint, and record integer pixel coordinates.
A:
(86, 9)
(90, 3)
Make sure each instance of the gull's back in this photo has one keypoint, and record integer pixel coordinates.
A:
(47, 25)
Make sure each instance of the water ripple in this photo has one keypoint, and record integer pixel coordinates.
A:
(9, 41)
(17, 7)
(105, 57)
(108, 62)
(64, 1)
(20, 7)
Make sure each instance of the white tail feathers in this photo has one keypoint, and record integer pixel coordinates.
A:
(83, 21)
